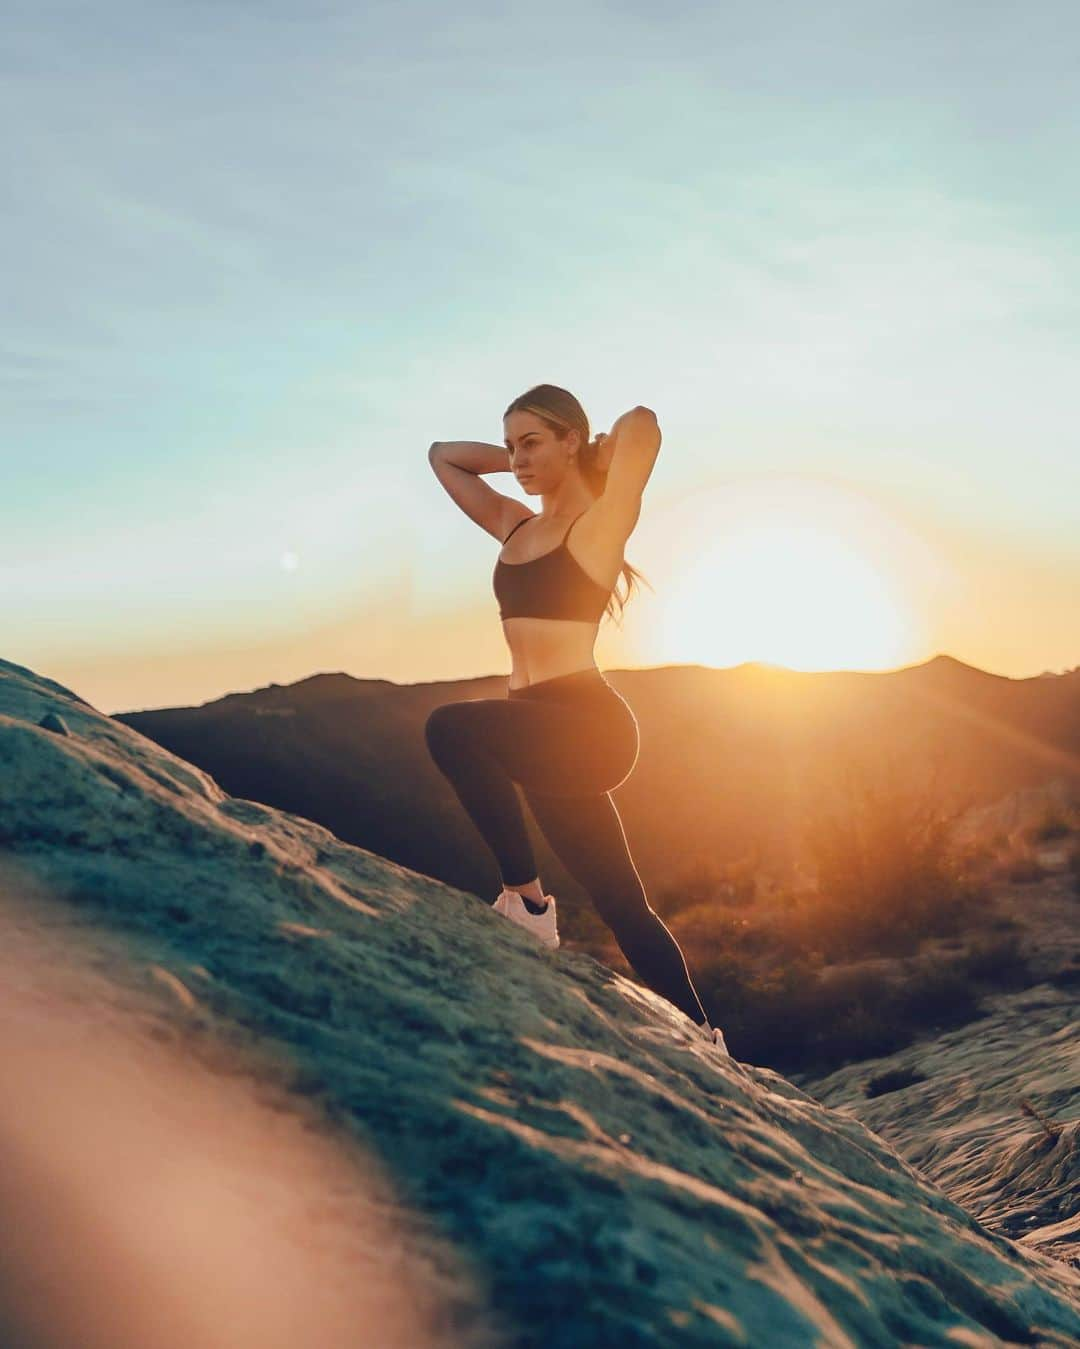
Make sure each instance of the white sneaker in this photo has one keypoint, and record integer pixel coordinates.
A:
(717, 1036)
(541, 925)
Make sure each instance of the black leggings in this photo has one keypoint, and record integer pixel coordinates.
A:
(568, 742)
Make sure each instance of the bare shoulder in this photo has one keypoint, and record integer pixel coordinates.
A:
(513, 515)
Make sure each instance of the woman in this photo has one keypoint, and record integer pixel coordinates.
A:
(563, 734)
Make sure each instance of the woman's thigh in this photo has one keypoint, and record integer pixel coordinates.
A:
(557, 749)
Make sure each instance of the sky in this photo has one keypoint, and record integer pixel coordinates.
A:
(260, 256)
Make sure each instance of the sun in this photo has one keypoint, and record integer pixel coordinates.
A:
(790, 572)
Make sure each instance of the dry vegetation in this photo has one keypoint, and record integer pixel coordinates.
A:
(890, 931)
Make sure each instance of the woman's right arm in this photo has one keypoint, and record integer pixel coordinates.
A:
(472, 455)
(459, 466)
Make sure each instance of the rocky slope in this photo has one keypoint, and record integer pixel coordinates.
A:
(990, 1111)
(570, 1162)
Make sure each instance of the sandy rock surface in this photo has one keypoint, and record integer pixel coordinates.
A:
(565, 1158)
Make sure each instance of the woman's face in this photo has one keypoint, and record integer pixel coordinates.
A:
(538, 458)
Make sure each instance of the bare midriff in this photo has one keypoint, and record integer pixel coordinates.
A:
(546, 648)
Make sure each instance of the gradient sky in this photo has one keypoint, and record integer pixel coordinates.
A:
(260, 256)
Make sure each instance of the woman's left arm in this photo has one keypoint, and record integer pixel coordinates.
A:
(639, 424)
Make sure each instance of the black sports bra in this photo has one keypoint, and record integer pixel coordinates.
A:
(552, 585)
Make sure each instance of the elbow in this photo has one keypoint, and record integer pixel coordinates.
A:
(652, 427)
(648, 418)
(434, 450)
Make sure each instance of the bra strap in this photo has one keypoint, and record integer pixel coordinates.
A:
(518, 525)
(570, 526)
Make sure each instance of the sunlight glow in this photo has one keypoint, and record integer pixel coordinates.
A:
(792, 572)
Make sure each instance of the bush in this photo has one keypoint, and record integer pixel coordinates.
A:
(887, 871)
(699, 882)
(890, 872)
(1074, 867)
(703, 880)
(793, 1019)
(938, 996)
(976, 859)
(999, 961)
(1024, 870)
(1053, 824)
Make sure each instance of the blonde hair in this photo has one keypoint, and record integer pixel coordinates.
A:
(559, 409)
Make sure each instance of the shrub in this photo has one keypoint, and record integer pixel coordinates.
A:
(703, 880)
(699, 882)
(938, 995)
(1053, 824)
(976, 859)
(1024, 870)
(999, 961)
(1074, 867)
(888, 873)
(792, 1019)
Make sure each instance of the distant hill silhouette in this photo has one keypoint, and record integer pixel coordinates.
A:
(729, 757)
